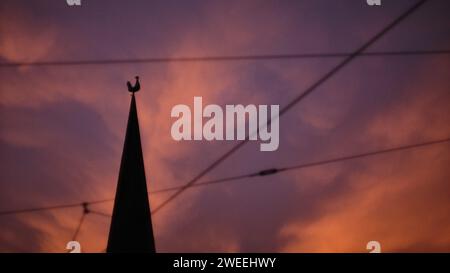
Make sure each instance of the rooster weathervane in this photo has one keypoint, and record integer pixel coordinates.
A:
(136, 87)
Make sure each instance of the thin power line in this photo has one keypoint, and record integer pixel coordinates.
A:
(273, 171)
(296, 100)
(40, 208)
(264, 172)
(101, 213)
(86, 211)
(80, 222)
(226, 58)
(63, 206)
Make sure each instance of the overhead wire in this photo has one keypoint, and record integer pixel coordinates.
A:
(222, 58)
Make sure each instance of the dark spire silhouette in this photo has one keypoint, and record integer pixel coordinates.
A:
(131, 225)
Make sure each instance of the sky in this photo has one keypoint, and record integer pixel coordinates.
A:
(62, 127)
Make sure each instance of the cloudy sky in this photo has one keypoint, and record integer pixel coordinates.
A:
(62, 127)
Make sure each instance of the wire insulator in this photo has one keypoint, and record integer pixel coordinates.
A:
(268, 172)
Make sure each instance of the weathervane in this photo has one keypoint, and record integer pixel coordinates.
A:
(136, 86)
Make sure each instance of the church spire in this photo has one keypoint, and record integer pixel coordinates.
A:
(131, 225)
